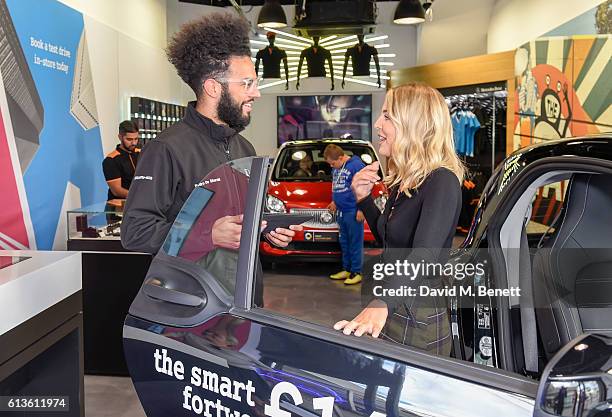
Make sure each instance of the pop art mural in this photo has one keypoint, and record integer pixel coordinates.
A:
(563, 88)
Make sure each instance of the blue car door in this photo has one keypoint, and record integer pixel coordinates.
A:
(198, 341)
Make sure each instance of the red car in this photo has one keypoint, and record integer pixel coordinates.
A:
(301, 184)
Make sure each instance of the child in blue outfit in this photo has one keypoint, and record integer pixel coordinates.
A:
(349, 218)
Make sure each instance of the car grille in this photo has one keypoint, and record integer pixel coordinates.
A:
(314, 247)
(318, 218)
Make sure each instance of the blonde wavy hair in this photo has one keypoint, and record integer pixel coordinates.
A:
(423, 136)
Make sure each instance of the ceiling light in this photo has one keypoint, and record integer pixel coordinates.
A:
(338, 40)
(409, 12)
(280, 32)
(274, 83)
(329, 38)
(376, 38)
(356, 81)
(272, 15)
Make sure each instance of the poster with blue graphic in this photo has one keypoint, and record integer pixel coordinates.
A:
(51, 102)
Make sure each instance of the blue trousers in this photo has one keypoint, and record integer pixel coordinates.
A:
(351, 240)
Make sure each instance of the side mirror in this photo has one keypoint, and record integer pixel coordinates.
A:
(577, 382)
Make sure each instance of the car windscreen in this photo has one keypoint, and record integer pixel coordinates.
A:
(307, 163)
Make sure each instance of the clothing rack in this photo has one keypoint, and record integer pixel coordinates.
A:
(480, 101)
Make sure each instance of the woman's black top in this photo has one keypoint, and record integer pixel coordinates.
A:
(427, 219)
(416, 229)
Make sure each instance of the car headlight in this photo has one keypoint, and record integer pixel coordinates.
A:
(380, 202)
(327, 217)
(274, 205)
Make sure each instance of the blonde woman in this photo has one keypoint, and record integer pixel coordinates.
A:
(419, 219)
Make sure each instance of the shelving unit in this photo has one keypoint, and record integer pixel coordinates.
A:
(152, 117)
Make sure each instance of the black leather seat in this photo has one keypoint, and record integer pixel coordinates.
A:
(572, 272)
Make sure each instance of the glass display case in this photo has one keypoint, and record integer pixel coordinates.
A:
(98, 221)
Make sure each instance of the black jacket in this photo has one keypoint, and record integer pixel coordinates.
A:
(168, 170)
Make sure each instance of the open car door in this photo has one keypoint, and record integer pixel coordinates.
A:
(197, 342)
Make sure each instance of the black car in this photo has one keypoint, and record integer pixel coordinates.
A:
(198, 343)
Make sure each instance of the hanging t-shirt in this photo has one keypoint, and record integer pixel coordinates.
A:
(471, 126)
(360, 57)
(465, 125)
(271, 59)
(315, 58)
(458, 133)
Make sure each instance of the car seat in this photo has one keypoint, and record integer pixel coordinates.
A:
(572, 271)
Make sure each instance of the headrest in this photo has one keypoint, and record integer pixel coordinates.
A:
(588, 217)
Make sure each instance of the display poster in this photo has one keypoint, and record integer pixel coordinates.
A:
(327, 116)
(50, 141)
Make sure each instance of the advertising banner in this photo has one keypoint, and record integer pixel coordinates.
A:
(51, 110)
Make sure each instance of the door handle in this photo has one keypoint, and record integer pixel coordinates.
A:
(173, 296)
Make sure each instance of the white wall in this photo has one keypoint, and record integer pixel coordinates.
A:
(143, 20)
(458, 30)
(515, 22)
(262, 130)
(126, 41)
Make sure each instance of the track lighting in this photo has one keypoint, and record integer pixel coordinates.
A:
(272, 15)
(409, 12)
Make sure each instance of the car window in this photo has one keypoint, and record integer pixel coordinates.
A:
(299, 279)
(546, 208)
(220, 194)
(307, 163)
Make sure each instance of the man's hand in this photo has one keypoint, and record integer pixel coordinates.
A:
(371, 320)
(281, 237)
(226, 232)
(364, 180)
(332, 207)
(360, 217)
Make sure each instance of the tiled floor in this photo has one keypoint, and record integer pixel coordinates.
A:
(311, 295)
(107, 396)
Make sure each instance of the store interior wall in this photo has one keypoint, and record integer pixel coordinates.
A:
(126, 41)
(458, 30)
(262, 131)
(142, 20)
(515, 22)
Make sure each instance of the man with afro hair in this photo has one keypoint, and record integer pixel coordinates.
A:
(212, 55)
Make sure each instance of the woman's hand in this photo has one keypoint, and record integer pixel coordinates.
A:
(370, 321)
(364, 180)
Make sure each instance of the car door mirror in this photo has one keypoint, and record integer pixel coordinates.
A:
(577, 382)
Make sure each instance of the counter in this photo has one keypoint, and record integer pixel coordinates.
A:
(41, 327)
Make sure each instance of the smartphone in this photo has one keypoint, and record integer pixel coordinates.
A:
(284, 220)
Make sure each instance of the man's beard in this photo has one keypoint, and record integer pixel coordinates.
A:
(230, 112)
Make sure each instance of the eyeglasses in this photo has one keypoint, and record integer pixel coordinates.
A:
(249, 84)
